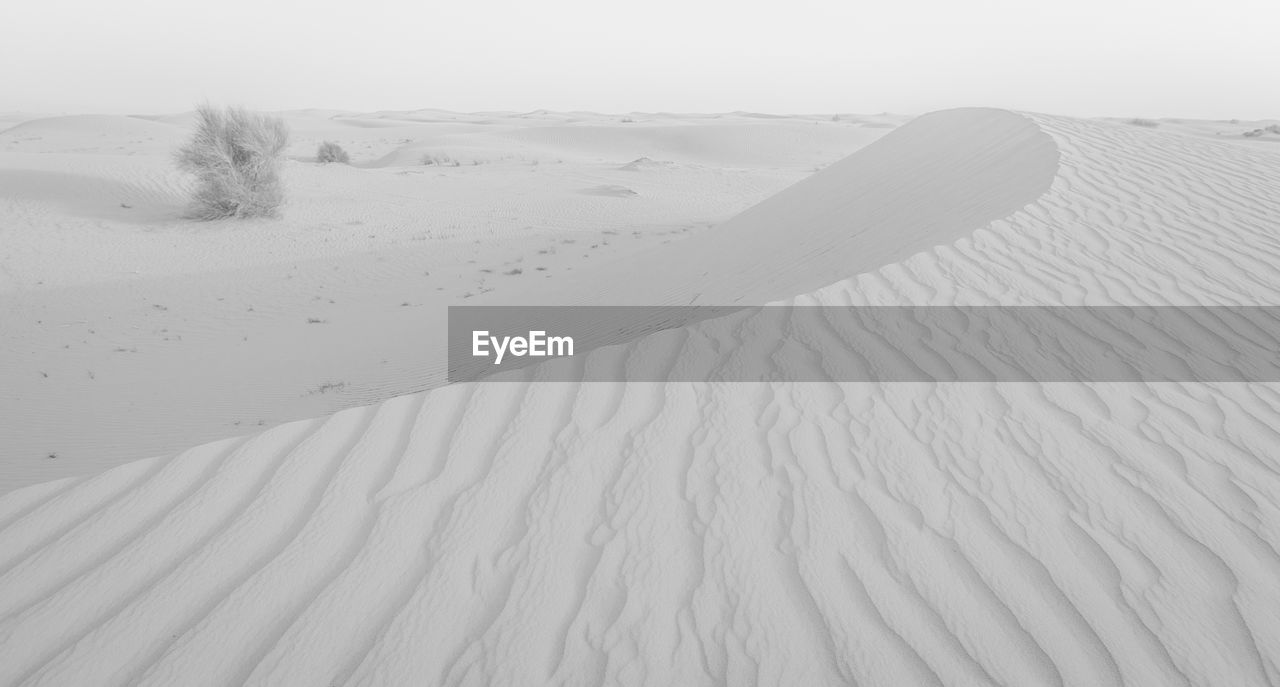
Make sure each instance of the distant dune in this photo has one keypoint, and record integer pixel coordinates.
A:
(684, 533)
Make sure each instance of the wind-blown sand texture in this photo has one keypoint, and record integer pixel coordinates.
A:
(109, 294)
(793, 534)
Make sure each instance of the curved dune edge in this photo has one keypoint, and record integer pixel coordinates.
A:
(931, 182)
(706, 534)
(934, 180)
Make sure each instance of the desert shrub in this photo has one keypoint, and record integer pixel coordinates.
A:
(332, 152)
(442, 160)
(1273, 129)
(235, 157)
(1138, 121)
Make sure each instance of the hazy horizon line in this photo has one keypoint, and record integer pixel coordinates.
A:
(109, 111)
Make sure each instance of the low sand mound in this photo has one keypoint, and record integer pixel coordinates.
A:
(678, 533)
(644, 164)
(608, 191)
(106, 134)
(95, 167)
(87, 186)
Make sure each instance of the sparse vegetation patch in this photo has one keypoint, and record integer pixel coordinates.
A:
(441, 160)
(235, 156)
(332, 152)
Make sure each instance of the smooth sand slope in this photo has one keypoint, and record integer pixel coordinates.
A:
(685, 533)
(95, 198)
(109, 295)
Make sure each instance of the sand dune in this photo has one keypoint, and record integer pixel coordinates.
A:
(689, 533)
(109, 294)
(105, 134)
(121, 350)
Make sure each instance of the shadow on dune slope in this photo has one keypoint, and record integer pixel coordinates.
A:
(934, 180)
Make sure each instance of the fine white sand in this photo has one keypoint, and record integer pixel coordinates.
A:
(107, 307)
(681, 533)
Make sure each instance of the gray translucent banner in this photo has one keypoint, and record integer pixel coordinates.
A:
(866, 343)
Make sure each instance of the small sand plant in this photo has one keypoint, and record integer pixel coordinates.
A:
(441, 160)
(332, 152)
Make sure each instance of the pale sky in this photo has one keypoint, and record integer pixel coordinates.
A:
(1147, 58)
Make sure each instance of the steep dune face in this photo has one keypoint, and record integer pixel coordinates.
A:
(930, 182)
(688, 533)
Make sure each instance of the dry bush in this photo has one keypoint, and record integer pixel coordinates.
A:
(1150, 123)
(332, 152)
(235, 157)
(442, 160)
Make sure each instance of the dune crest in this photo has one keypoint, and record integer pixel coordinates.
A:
(790, 534)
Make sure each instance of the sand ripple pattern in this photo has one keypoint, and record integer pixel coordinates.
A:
(683, 533)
